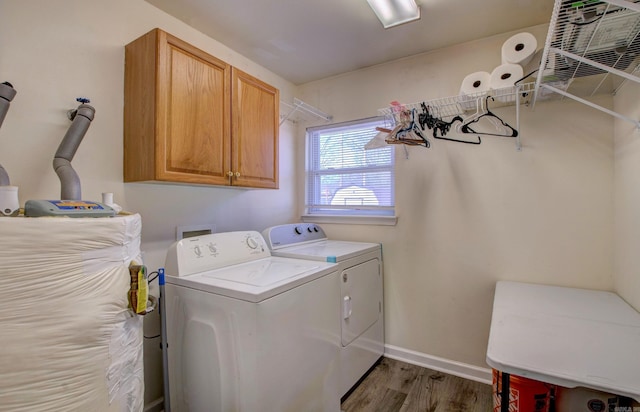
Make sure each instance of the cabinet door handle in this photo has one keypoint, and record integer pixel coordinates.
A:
(230, 173)
(237, 174)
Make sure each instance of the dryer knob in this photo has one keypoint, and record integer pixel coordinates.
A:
(298, 230)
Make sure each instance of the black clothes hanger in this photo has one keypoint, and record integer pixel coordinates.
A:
(460, 141)
(444, 127)
(427, 119)
(526, 76)
(466, 127)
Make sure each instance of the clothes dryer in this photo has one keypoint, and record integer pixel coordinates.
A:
(247, 331)
(361, 291)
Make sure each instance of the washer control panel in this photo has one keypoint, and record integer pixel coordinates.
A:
(291, 234)
(214, 251)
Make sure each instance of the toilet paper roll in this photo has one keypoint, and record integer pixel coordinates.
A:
(473, 86)
(519, 49)
(502, 81)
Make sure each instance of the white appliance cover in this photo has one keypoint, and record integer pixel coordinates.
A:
(68, 339)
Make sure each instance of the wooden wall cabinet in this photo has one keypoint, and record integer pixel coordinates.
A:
(192, 118)
(254, 131)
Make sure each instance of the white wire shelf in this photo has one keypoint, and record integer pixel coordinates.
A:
(468, 105)
(448, 107)
(301, 111)
(592, 47)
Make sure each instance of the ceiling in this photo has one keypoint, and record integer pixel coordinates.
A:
(306, 40)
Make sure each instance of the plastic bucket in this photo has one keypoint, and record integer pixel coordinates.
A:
(588, 400)
(525, 395)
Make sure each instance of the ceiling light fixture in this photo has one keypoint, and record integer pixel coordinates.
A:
(394, 12)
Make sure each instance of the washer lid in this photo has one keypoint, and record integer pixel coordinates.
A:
(263, 272)
(257, 280)
(324, 249)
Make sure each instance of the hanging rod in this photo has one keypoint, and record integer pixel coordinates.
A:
(306, 108)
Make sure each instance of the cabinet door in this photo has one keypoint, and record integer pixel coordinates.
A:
(255, 124)
(193, 129)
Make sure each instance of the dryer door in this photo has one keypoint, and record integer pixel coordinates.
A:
(361, 288)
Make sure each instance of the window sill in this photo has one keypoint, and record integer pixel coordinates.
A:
(351, 220)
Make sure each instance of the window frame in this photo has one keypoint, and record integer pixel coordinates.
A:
(314, 211)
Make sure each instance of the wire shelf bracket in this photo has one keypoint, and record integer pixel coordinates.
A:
(303, 108)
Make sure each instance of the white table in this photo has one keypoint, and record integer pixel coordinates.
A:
(567, 337)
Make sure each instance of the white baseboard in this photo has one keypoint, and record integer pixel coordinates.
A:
(155, 406)
(462, 370)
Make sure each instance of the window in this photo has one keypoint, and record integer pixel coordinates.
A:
(344, 179)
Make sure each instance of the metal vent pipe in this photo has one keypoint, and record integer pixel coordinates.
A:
(7, 93)
(70, 188)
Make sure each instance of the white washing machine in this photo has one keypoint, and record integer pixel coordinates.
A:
(247, 331)
(361, 291)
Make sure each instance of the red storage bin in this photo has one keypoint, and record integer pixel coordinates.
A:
(525, 395)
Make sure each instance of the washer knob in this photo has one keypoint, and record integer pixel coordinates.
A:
(252, 243)
(298, 230)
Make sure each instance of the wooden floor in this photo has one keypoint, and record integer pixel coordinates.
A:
(399, 386)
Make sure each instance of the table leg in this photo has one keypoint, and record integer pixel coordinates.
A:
(504, 395)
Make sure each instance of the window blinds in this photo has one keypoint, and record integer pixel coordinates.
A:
(342, 177)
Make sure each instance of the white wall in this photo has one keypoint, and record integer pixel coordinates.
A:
(627, 197)
(472, 215)
(468, 215)
(55, 51)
